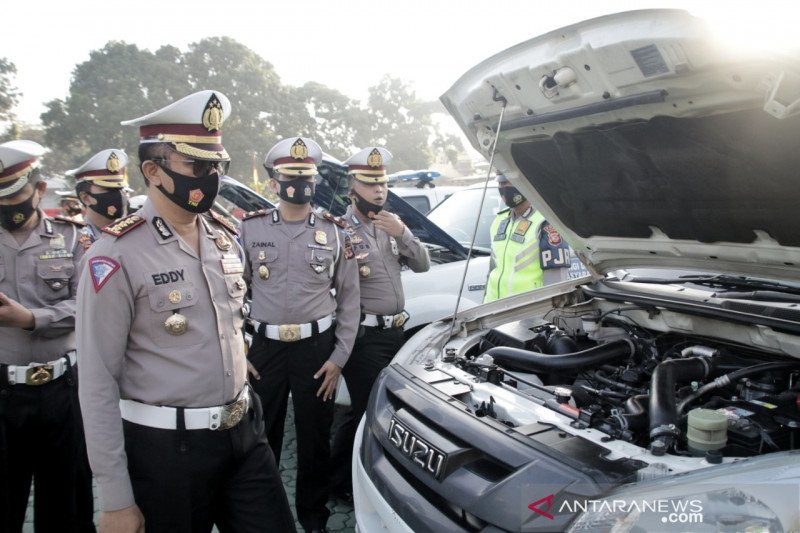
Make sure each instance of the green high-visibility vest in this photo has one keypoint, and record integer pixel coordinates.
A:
(515, 266)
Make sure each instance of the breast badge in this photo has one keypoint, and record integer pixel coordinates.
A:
(320, 237)
(176, 324)
(263, 272)
(364, 271)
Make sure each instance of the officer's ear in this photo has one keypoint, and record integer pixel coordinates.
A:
(150, 171)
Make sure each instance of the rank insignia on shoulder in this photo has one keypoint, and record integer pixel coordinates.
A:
(123, 225)
(348, 249)
(230, 226)
(69, 221)
(101, 269)
(336, 220)
(254, 214)
(85, 241)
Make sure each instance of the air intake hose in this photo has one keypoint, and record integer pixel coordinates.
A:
(529, 361)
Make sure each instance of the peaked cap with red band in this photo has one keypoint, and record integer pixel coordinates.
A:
(192, 125)
(295, 156)
(17, 160)
(105, 168)
(369, 165)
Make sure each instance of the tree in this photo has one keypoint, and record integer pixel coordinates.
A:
(401, 122)
(118, 82)
(339, 122)
(9, 95)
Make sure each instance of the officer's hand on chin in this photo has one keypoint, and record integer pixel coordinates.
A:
(331, 376)
(127, 520)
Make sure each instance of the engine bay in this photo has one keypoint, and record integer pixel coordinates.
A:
(622, 376)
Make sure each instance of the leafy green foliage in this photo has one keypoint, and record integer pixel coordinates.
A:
(121, 81)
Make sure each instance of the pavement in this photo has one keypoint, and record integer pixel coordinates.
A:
(342, 517)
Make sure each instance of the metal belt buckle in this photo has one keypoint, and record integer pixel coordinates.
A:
(289, 332)
(399, 319)
(232, 413)
(39, 375)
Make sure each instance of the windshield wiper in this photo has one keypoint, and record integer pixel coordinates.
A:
(759, 287)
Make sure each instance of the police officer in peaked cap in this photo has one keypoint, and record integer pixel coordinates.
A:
(41, 436)
(382, 245)
(294, 257)
(100, 186)
(70, 205)
(175, 436)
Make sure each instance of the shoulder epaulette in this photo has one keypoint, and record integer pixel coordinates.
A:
(254, 214)
(78, 223)
(506, 210)
(123, 225)
(224, 222)
(339, 221)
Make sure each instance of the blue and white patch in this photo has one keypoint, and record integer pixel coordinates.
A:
(101, 269)
(553, 250)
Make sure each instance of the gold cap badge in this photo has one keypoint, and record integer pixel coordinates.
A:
(375, 159)
(299, 150)
(112, 164)
(213, 114)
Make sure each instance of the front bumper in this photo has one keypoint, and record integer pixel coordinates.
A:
(373, 512)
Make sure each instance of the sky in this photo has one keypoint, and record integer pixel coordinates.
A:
(348, 45)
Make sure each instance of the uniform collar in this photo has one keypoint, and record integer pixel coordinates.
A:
(158, 225)
(352, 217)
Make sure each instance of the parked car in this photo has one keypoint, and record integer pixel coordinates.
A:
(425, 199)
(457, 215)
(662, 393)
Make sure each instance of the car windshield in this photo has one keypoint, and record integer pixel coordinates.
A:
(456, 215)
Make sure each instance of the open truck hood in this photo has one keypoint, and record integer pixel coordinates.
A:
(647, 143)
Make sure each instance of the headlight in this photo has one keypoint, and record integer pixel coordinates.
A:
(756, 496)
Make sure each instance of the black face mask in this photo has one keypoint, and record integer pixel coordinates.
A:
(15, 216)
(511, 196)
(111, 204)
(297, 191)
(195, 195)
(366, 207)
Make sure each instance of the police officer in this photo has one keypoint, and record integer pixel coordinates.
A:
(100, 184)
(175, 436)
(70, 205)
(527, 252)
(382, 245)
(294, 257)
(41, 436)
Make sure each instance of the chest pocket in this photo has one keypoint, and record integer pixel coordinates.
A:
(169, 300)
(262, 265)
(320, 262)
(236, 286)
(53, 277)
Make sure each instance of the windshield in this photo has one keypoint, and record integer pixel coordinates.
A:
(456, 215)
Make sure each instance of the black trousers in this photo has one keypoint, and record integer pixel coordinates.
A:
(372, 352)
(41, 439)
(290, 367)
(189, 480)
